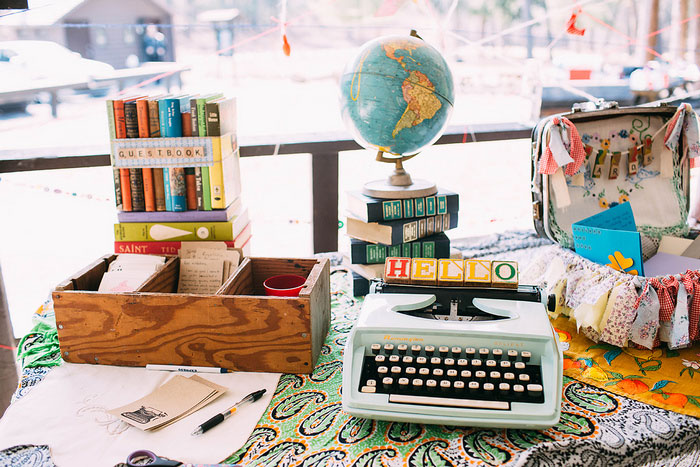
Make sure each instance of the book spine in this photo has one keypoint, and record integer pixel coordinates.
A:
(149, 189)
(194, 121)
(119, 122)
(206, 189)
(180, 231)
(125, 182)
(138, 202)
(142, 118)
(191, 188)
(213, 122)
(153, 248)
(131, 120)
(117, 188)
(407, 230)
(173, 118)
(186, 124)
(437, 246)
(153, 119)
(198, 189)
(378, 210)
(216, 176)
(120, 133)
(178, 189)
(113, 135)
(158, 189)
(166, 189)
(202, 117)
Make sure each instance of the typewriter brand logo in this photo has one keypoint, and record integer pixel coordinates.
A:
(507, 344)
(389, 337)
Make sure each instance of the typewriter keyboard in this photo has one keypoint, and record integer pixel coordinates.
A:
(464, 377)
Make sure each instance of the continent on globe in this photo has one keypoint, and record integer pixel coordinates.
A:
(419, 94)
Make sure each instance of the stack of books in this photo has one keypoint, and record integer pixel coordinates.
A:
(410, 228)
(162, 202)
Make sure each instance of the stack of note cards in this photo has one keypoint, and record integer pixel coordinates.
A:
(174, 400)
(128, 271)
(205, 266)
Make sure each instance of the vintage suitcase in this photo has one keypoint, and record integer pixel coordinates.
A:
(625, 158)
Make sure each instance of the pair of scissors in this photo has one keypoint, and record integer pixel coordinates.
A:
(144, 457)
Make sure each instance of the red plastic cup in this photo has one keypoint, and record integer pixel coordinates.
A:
(284, 285)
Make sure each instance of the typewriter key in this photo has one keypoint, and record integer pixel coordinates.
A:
(449, 361)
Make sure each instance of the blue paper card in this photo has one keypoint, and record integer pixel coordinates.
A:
(611, 238)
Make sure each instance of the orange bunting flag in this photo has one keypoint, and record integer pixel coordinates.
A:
(571, 25)
(285, 46)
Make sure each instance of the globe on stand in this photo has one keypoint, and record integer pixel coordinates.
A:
(396, 97)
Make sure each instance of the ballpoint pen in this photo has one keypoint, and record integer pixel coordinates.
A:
(218, 418)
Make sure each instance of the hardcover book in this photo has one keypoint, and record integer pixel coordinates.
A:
(402, 230)
(181, 231)
(434, 246)
(370, 209)
(241, 241)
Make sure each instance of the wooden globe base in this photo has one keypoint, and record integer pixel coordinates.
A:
(384, 190)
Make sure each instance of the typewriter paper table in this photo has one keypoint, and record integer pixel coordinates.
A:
(305, 425)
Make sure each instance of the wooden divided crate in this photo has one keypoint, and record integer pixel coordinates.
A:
(237, 328)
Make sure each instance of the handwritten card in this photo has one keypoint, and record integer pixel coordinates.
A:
(200, 276)
(611, 238)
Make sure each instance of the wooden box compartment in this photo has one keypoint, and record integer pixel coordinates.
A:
(237, 328)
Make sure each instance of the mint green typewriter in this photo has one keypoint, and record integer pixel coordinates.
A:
(454, 356)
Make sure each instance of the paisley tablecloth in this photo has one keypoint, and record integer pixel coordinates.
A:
(305, 426)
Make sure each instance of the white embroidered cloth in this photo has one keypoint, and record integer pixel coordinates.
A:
(72, 401)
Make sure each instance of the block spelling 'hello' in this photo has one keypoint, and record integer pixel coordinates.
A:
(397, 270)
(504, 274)
(450, 272)
(424, 271)
(477, 272)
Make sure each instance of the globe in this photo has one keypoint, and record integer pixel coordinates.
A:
(396, 95)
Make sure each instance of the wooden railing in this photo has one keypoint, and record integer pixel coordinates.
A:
(324, 149)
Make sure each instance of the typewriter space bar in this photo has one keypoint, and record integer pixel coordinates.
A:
(449, 402)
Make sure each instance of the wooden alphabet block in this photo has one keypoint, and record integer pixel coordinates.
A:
(647, 157)
(424, 271)
(633, 161)
(397, 270)
(477, 272)
(599, 163)
(504, 274)
(450, 272)
(614, 165)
